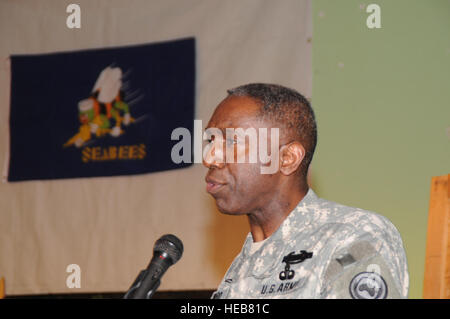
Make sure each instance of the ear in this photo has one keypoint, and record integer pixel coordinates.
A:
(291, 156)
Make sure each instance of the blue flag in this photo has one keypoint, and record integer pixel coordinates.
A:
(100, 112)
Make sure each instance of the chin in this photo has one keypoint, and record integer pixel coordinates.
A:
(227, 209)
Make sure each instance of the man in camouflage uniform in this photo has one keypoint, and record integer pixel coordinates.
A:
(299, 245)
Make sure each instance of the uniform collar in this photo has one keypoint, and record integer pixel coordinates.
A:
(302, 215)
(270, 253)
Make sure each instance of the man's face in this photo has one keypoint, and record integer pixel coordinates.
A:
(238, 188)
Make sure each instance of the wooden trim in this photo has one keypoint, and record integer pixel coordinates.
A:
(437, 260)
(2, 287)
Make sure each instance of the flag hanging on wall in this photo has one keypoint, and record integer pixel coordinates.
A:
(100, 112)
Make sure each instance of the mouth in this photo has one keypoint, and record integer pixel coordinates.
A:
(213, 186)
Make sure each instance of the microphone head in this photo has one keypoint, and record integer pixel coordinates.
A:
(171, 245)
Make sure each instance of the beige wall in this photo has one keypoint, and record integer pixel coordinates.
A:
(108, 225)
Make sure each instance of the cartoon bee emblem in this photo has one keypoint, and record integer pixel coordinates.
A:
(105, 111)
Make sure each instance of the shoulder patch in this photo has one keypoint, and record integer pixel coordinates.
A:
(368, 285)
(359, 272)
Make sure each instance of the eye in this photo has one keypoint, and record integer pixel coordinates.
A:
(207, 143)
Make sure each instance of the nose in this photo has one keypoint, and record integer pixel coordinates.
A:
(213, 155)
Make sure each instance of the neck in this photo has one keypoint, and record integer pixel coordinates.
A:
(266, 220)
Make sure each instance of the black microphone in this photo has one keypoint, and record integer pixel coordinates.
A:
(166, 252)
